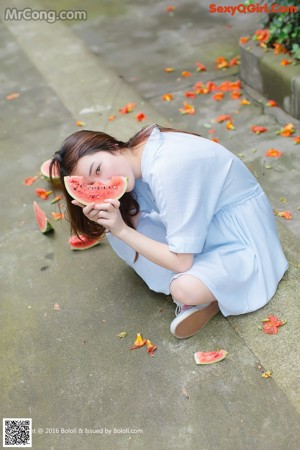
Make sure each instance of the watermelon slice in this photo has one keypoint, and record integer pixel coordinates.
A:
(46, 173)
(210, 357)
(41, 219)
(96, 192)
(82, 242)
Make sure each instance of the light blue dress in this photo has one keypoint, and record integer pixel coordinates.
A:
(197, 197)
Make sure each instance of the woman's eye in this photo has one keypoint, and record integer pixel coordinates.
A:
(98, 170)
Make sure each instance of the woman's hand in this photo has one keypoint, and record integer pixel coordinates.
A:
(106, 214)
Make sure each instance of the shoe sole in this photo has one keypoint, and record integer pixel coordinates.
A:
(189, 322)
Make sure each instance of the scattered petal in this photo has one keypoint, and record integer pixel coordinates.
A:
(222, 118)
(139, 342)
(168, 97)
(140, 117)
(234, 61)
(283, 200)
(285, 214)
(296, 139)
(57, 216)
(56, 199)
(122, 335)
(279, 49)
(186, 73)
(258, 129)
(151, 348)
(214, 139)
(271, 104)
(112, 118)
(190, 94)
(262, 36)
(244, 39)
(12, 96)
(287, 130)
(169, 69)
(200, 67)
(170, 8)
(286, 62)
(235, 95)
(222, 63)
(273, 153)
(245, 101)
(230, 125)
(79, 123)
(218, 96)
(56, 306)
(42, 193)
(30, 180)
(187, 109)
(128, 108)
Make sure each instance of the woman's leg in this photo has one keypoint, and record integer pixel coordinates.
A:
(189, 290)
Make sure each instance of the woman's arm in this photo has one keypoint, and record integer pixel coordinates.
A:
(108, 215)
(155, 251)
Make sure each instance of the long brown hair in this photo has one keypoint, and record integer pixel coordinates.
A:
(86, 142)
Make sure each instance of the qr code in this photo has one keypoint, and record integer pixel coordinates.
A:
(17, 432)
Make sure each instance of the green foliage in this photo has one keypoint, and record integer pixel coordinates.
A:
(284, 27)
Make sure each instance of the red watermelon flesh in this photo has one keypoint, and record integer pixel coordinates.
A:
(96, 192)
(41, 219)
(46, 172)
(82, 242)
(210, 357)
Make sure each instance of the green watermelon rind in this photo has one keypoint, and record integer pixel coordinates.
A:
(46, 226)
(83, 201)
(83, 245)
(198, 355)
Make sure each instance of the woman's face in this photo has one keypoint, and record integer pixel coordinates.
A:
(103, 165)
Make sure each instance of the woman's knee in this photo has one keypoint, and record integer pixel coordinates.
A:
(190, 290)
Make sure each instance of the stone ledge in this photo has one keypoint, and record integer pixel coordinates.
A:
(262, 71)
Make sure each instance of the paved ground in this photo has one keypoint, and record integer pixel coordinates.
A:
(66, 368)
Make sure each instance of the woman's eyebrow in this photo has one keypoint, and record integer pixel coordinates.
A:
(91, 168)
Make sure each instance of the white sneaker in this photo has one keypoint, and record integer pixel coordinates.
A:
(190, 319)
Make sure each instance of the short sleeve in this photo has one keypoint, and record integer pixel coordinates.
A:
(187, 189)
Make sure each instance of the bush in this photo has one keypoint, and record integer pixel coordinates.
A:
(284, 27)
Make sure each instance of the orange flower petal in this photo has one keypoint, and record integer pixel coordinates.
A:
(286, 62)
(140, 117)
(151, 348)
(170, 8)
(30, 180)
(57, 216)
(190, 94)
(128, 108)
(42, 193)
(222, 118)
(271, 103)
(200, 67)
(218, 96)
(139, 342)
(244, 39)
(169, 69)
(234, 61)
(187, 109)
(230, 125)
(244, 101)
(12, 96)
(112, 117)
(186, 73)
(235, 95)
(168, 97)
(262, 35)
(273, 153)
(296, 139)
(287, 130)
(285, 214)
(79, 123)
(258, 129)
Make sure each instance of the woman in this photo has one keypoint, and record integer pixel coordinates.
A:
(194, 222)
